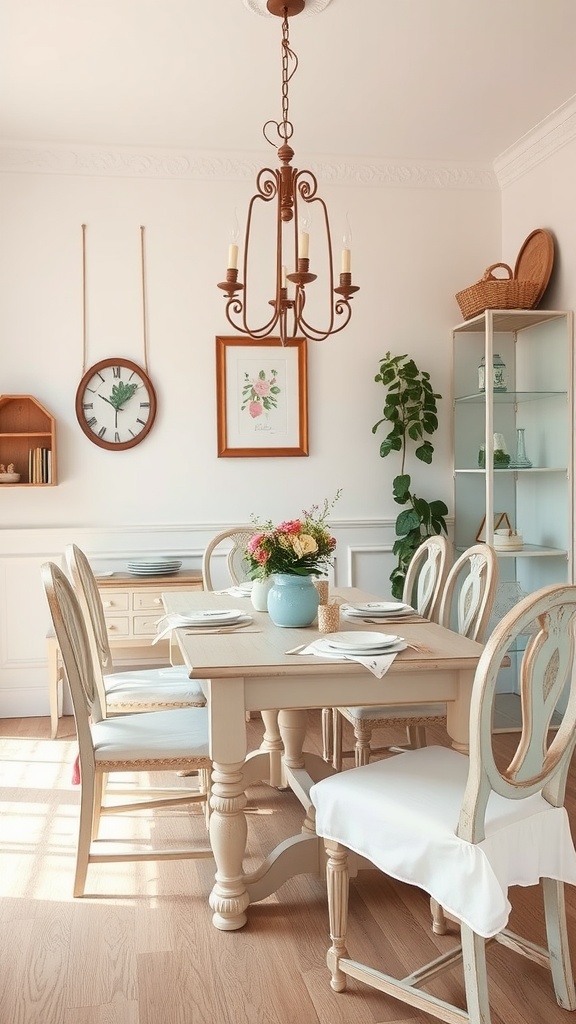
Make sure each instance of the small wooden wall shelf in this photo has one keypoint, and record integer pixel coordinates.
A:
(28, 440)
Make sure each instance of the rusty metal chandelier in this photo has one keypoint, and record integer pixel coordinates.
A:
(294, 194)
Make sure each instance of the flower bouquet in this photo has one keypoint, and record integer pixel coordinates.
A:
(299, 547)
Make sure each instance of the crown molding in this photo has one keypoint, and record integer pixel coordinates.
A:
(545, 139)
(195, 165)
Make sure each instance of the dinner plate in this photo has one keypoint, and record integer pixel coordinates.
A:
(323, 648)
(377, 611)
(214, 617)
(360, 640)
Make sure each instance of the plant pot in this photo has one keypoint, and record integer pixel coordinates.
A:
(292, 600)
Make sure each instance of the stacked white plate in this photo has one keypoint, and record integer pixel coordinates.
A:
(359, 643)
(377, 610)
(155, 566)
(213, 617)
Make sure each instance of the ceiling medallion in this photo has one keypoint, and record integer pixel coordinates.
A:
(261, 7)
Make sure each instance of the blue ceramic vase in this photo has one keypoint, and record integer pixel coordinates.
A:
(292, 600)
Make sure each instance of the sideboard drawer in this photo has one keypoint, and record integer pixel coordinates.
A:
(145, 625)
(144, 601)
(115, 601)
(117, 626)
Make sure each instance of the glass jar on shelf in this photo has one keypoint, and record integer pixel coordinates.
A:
(498, 374)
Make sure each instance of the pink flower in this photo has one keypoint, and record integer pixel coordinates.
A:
(261, 556)
(261, 387)
(255, 409)
(254, 542)
(290, 526)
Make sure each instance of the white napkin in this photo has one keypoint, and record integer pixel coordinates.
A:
(377, 664)
(235, 591)
(175, 621)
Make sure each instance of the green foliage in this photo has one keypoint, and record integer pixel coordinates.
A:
(410, 407)
(121, 393)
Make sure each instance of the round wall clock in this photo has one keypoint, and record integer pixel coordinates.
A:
(116, 404)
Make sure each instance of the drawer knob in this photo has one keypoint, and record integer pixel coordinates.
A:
(157, 600)
(107, 604)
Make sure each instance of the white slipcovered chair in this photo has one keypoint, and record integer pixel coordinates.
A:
(143, 742)
(142, 689)
(464, 829)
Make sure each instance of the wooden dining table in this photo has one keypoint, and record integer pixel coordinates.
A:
(248, 670)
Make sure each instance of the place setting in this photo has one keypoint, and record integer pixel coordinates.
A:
(380, 612)
(205, 622)
(375, 651)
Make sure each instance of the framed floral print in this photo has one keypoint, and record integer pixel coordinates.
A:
(262, 397)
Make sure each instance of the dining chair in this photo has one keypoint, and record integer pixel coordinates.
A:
(466, 605)
(228, 546)
(143, 689)
(423, 588)
(463, 828)
(144, 742)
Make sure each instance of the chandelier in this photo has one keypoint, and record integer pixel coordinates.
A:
(294, 195)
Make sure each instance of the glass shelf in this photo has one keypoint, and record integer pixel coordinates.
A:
(501, 471)
(510, 397)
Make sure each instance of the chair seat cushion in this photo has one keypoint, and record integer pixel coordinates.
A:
(391, 711)
(152, 736)
(402, 813)
(154, 687)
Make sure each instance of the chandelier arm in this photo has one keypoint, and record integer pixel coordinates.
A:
(315, 334)
(235, 305)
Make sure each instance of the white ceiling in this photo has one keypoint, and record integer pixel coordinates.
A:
(454, 80)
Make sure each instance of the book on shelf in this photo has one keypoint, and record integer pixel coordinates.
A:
(40, 466)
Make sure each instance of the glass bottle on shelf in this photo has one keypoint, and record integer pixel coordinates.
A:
(520, 459)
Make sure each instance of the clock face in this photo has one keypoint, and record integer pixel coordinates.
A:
(116, 404)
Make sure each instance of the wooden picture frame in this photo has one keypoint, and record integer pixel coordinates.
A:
(261, 397)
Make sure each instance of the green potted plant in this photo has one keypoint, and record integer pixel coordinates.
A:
(410, 411)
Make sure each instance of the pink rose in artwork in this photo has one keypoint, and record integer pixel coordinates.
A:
(255, 409)
(262, 387)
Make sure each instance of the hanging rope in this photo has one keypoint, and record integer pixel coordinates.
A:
(84, 299)
(84, 319)
(144, 312)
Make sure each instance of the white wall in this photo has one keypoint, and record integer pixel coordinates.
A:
(419, 235)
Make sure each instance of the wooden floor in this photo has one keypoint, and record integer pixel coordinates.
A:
(140, 947)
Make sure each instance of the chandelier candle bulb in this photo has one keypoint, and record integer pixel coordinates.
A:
(303, 245)
(283, 277)
(232, 257)
(346, 261)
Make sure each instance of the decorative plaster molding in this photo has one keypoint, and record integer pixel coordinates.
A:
(550, 135)
(191, 165)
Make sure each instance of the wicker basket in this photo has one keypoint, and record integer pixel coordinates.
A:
(497, 293)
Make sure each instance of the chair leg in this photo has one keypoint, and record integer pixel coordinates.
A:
(337, 881)
(438, 918)
(475, 976)
(327, 733)
(87, 797)
(337, 722)
(416, 736)
(557, 933)
(99, 788)
(363, 734)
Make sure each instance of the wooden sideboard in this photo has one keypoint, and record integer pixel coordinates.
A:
(132, 606)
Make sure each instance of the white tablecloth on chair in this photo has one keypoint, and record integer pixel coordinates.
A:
(402, 814)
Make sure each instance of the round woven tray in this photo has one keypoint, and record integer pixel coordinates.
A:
(535, 260)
